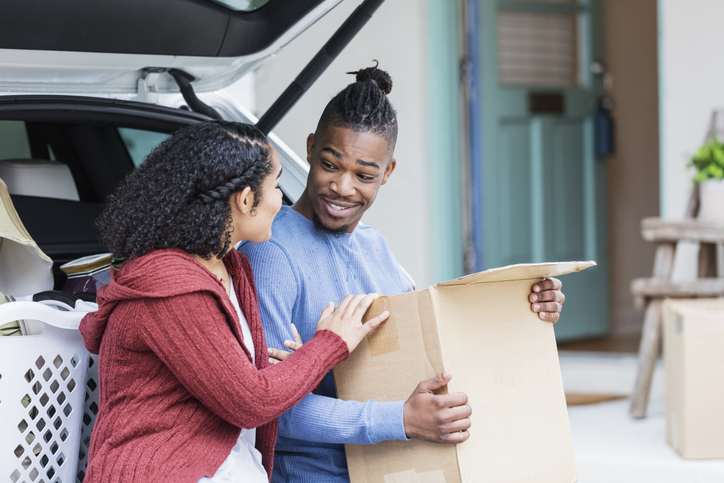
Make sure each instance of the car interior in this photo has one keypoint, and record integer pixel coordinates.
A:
(61, 158)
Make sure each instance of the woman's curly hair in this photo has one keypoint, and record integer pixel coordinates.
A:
(179, 196)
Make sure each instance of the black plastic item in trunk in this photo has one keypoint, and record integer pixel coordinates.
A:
(63, 229)
(318, 64)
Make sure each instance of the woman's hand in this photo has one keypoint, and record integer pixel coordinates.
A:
(345, 320)
(277, 355)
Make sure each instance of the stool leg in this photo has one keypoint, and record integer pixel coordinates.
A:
(648, 354)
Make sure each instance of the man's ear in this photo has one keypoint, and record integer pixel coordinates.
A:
(389, 169)
(243, 200)
(310, 148)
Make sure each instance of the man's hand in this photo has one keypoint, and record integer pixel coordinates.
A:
(276, 356)
(547, 299)
(438, 418)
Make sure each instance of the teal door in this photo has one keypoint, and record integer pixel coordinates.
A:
(542, 188)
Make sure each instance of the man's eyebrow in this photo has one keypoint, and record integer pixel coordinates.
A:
(334, 153)
(339, 155)
(369, 164)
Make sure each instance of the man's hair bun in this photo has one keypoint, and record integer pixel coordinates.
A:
(377, 76)
(363, 106)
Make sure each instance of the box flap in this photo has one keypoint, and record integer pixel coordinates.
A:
(521, 271)
(25, 268)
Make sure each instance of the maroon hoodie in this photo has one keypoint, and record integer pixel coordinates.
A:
(176, 381)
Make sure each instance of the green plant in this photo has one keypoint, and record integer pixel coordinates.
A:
(709, 161)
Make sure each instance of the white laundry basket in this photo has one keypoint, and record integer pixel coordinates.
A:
(42, 396)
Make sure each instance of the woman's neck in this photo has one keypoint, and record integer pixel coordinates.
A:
(216, 266)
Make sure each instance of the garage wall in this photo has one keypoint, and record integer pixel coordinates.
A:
(690, 87)
(396, 37)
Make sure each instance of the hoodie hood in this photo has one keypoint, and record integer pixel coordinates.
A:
(158, 274)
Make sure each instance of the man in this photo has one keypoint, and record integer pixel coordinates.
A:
(319, 253)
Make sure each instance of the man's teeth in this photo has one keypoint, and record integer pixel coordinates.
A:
(337, 207)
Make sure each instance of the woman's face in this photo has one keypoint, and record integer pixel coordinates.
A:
(255, 225)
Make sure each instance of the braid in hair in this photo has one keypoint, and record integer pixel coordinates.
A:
(363, 106)
(223, 191)
(257, 170)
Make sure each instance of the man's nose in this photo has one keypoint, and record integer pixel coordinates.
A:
(344, 185)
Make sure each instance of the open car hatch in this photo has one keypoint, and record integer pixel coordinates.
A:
(77, 47)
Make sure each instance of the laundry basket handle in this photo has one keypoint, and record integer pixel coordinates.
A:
(11, 311)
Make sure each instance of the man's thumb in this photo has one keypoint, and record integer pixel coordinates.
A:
(432, 385)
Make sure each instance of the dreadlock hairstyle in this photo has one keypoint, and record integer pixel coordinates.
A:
(363, 106)
(179, 196)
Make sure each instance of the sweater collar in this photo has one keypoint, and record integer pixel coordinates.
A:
(162, 274)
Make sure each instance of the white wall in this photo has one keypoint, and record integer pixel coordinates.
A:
(691, 85)
(395, 37)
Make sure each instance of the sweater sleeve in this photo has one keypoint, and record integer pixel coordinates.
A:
(316, 418)
(191, 335)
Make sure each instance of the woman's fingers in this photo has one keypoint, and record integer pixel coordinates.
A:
(347, 319)
(344, 303)
(326, 312)
(373, 323)
(363, 304)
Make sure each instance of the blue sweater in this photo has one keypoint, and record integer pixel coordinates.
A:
(297, 273)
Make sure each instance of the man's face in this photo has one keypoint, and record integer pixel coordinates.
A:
(346, 169)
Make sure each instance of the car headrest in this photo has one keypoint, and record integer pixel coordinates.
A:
(38, 177)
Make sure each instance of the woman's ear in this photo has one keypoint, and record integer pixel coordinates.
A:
(243, 200)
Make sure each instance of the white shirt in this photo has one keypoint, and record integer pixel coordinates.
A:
(244, 462)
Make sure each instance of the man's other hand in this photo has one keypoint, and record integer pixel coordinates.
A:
(547, 299)
(443, 418)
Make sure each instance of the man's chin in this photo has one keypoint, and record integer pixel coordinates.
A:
(334, 230)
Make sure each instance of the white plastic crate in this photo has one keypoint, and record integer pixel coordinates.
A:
(43, 396)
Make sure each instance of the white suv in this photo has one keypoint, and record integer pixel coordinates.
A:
(87, 89)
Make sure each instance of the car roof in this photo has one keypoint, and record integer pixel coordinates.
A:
(100, 47)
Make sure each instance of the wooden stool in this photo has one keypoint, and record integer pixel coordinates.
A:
(649, 292)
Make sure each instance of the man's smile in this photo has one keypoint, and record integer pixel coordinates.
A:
(338, 208)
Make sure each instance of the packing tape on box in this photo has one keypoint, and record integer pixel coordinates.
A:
(411, 476)
(386, 339)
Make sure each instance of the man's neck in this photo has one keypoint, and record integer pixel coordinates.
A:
(303, 207)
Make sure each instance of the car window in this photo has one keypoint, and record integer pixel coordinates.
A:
(139, 143)
(14, 140)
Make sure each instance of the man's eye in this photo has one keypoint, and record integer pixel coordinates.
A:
(365, 177)
(328, 165)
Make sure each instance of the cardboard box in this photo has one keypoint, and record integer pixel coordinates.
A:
(694, 360)
(502, 356)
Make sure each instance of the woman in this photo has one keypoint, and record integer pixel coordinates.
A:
(183, 363)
